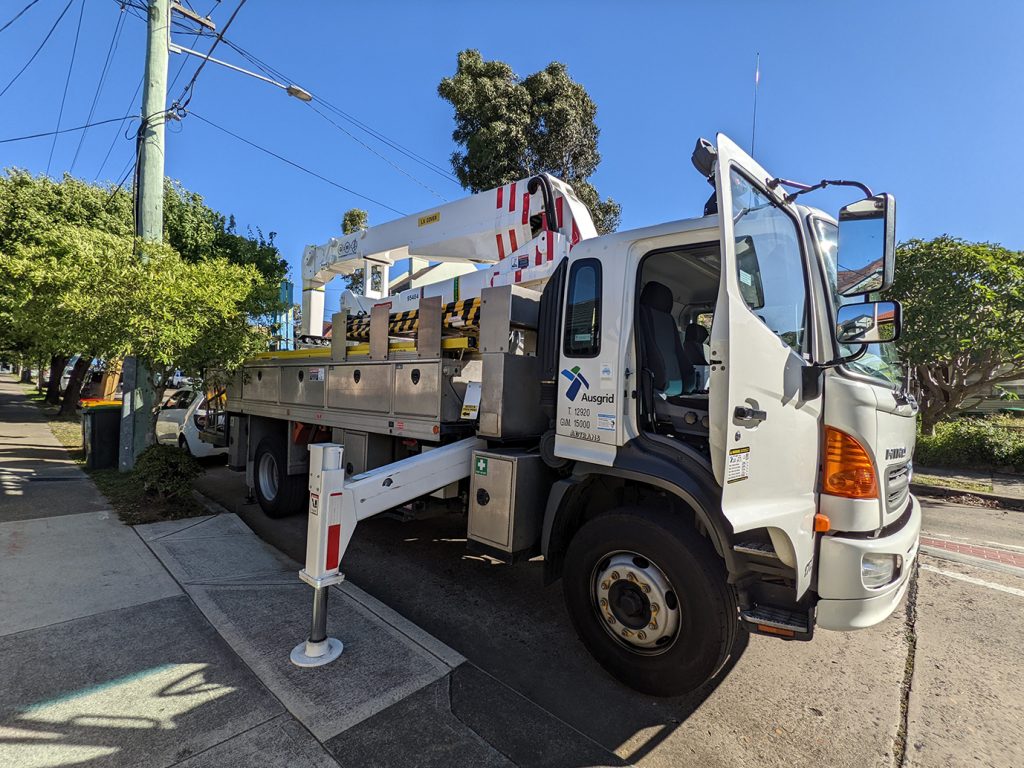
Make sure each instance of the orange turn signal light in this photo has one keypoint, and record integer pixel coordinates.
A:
(848, 470)
(821, 523)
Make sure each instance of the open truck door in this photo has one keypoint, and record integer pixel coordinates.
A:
(764, 436)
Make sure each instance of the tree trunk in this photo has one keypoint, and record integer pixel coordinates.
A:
(69, 405)
(26, 375)
(57, 363)
(39, 378)
(928, 422)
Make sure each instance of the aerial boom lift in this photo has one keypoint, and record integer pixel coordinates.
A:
(519, 230)
(675, 417)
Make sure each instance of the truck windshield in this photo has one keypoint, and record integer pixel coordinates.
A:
(879, 362)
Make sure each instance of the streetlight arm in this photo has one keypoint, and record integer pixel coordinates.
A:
(292, 90)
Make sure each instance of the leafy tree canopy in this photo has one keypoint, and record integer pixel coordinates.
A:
(509, 128)
(354, 220)
(71, 280)
(963, 320)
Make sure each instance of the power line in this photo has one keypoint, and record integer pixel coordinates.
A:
(296, 165)
(67, 80)
(67, 130)
(5, 26)
(118, 131)
(268, 69)
(111, 50)
(220, 35)
(368, 148)
(138, 88)
(33, 57)
(124, 177)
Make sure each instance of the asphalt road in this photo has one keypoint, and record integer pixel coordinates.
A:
(914, 689)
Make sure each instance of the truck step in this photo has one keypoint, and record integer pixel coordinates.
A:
(778, 622)
(756, 548)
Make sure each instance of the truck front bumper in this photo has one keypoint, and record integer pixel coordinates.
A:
(845, 601)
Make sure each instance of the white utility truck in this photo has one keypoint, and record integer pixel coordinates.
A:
(699, 424)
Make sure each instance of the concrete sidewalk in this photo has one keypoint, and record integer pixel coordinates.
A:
(168, 644)
(35, 470)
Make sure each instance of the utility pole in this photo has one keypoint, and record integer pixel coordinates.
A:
(137, 410)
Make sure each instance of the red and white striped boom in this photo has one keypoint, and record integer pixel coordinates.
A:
(520, 230)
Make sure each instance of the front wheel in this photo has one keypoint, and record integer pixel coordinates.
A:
(278, 493)
(649, 598)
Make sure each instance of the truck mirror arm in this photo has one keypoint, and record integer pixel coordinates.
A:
(803, 189)
(811, 374)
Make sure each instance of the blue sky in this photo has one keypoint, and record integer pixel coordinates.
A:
(924, 100)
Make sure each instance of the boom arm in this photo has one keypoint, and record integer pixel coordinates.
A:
(486, 228)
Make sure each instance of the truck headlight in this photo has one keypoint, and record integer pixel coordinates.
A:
(877, 570)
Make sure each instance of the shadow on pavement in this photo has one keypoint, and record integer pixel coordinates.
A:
(501, 617)
(173, 689)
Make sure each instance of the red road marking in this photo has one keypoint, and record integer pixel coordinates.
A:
(973, 550)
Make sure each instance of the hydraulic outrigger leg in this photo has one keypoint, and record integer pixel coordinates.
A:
(336, 505)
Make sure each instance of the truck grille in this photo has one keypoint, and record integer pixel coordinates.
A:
(897, 486)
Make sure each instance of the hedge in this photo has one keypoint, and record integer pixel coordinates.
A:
(971, 444)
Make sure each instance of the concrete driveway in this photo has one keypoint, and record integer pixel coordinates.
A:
(939, 683)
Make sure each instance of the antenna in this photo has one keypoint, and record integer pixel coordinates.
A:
(757, 79)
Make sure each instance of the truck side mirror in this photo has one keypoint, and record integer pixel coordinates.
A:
(867, 245)
(875, 322)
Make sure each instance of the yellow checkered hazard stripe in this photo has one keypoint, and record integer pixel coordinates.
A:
(457, 316)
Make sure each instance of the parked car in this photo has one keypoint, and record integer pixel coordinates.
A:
(179, 421)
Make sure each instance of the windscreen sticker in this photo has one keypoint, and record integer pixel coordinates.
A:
(738, 466)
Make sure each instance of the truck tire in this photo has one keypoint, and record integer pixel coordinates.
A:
(278, 493)
(650, 601)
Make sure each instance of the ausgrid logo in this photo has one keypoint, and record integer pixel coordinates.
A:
(577, 380)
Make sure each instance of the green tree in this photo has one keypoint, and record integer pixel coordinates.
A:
(88, 290)
(963, 320)
(198, 232)
(510, 128)
(355, 220)
(51, 230)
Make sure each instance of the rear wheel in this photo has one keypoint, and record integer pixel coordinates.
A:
(278, 493)
(183, 444)
(649, 599)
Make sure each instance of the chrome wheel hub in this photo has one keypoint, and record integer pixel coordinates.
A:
(268, 476)
(636, 602)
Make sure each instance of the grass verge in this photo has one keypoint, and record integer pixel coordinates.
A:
(954, 483)
(124, 490)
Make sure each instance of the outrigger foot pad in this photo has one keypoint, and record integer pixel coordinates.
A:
(310, 654)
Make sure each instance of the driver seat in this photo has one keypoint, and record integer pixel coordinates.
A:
(664, 354)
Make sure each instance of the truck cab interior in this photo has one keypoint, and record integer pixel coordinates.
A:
(677, 292)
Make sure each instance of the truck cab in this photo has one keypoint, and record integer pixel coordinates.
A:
(703, 371)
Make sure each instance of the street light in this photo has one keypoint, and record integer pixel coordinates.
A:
(292, 90)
